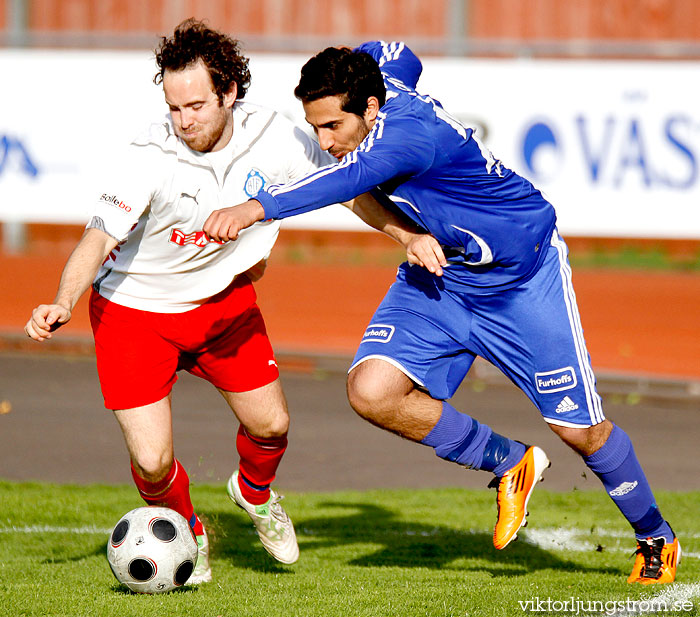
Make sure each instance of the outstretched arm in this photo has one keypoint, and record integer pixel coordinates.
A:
(421, 248)
(78, 274)
(225, 224)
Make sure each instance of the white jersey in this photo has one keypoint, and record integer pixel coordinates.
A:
(158, 198)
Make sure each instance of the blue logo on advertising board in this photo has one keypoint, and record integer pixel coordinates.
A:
(615, 149)
(541, 150)
(12, 149)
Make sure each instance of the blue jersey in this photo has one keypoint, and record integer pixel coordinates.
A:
(492, 223)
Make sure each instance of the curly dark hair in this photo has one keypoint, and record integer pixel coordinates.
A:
(352, 75)
(192, 41)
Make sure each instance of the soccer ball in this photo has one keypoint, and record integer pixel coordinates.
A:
(152, 550)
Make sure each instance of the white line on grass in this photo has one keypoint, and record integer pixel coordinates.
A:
(558, 539)
(547, 538)
(570, 539)
(613, 532)
(54, 529)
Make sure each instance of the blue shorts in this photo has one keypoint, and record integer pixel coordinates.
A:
(531, 332)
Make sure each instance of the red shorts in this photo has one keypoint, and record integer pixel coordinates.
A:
(139, 352)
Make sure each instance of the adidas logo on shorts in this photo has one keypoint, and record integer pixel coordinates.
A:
(565, 405)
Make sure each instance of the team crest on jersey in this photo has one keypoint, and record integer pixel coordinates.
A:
(254, 183)
(378, 333)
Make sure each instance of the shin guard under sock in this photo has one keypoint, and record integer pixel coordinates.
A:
(616, 464)
(259, 459)
(173, 492)
(461, 439)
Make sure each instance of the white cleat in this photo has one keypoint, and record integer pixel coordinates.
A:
(202, 570)
(272, 523)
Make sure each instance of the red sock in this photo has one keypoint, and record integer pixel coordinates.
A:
(173, 492)
(260, 458)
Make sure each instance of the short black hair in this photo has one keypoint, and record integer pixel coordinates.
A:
(352, 75)
(192, 41)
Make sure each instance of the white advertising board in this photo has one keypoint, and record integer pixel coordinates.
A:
(615, 146)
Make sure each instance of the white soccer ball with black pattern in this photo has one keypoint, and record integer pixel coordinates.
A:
(152, 550)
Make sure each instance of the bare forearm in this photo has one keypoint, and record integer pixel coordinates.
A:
(78, 274)
(82, 266)
(421, 248)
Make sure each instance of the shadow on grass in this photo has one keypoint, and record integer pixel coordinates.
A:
(101, 551)
(125, 591)
(403, 544)
(232, 536)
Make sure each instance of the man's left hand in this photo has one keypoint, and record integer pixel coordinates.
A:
(424, 250)
(225, 224)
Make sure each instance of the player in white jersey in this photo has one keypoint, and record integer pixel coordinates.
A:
(166, 264)
(166, 298)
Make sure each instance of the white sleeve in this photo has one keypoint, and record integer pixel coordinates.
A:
(127, 188)
(301, 154)
(309, 156)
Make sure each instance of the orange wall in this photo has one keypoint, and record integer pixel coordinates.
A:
(271, 17)
(106, 15)
(516, 19)
(597, 19)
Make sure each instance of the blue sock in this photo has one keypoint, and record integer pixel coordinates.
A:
(461, 439)
(619, 470)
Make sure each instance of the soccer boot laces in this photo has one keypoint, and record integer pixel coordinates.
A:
(656, 561)
(272, 523)
(202, 570)
(514, 490)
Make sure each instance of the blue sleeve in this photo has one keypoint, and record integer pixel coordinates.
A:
(390, 151)
(396, 60)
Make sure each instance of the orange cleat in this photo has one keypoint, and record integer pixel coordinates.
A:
(514, 490)
(656, 561)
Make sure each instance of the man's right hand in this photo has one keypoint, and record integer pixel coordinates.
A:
(45, 319)
(225, 224)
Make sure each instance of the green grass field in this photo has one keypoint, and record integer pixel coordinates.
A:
(379, 553)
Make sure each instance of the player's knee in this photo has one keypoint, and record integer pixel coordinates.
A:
(275, 427)
(153, 466)
(584, 440)
(369, 394)
(270, 425)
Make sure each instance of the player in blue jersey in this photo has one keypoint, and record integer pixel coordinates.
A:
(498, 286)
